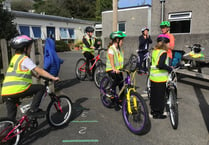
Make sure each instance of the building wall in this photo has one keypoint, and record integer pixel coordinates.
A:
(79, 28)
(199, 9)
(135, 19)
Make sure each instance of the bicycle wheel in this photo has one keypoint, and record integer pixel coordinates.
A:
(99, 73)
(7, 136)
(80, 69)
(133, 61)
(105, 92)
(59, 111)
(138, 121)
(173, 108)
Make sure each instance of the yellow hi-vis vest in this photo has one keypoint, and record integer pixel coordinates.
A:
(156, 74)
(84, 49)
(16, 80)
(118, 59)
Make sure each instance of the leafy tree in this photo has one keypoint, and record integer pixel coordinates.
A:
(7, 27)
(102, 5)
(21, 5)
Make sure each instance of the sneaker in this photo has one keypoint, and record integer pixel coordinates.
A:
(39, 113)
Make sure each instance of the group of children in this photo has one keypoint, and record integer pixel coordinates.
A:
(18, 79)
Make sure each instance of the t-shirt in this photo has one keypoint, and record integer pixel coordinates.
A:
(27, 64)
(171, 44)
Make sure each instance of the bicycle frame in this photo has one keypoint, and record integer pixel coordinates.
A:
(95, 59)
(129, 87)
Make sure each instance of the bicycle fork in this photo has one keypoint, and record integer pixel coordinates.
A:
(128, 98)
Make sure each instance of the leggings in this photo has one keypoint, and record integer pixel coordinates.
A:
(37, 90)
(88, 57)
(117, 80)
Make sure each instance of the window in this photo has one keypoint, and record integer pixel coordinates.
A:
(180, 22)
(64, 33)
(122, 26)
(24, 30)
(36, 31)
(71, 33)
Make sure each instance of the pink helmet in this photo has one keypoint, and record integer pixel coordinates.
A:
(163, 37)
(19, 42)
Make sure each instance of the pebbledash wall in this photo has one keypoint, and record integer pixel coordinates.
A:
(189, 23)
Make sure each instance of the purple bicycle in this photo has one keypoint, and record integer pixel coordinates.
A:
(134, 108)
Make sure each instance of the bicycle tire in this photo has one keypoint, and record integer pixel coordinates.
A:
(133, 61)
(80, 69)
(58, 118)
(173, 108)
(6, 125)
(138, 122)
(99, 73)
(104, 90)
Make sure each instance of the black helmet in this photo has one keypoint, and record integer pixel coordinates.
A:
(89, 29)
(19, 42)
(163, 38)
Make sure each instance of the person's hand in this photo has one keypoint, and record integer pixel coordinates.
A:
(92, 47)
(56, 79)
(116, 71)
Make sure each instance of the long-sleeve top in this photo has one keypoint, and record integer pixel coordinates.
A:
(144, 43)
(162, 65)
(88, 45)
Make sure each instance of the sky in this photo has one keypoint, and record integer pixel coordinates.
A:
(130, 3)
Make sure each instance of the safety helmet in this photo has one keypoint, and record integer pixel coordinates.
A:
(117, 34)
(163, 38)
(21, 41)
(145, 28)
(165, 24)
(89, 29)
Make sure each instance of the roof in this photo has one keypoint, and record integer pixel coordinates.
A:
(50, 17)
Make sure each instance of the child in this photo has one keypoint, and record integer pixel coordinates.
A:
(18, 80)
(158, 76)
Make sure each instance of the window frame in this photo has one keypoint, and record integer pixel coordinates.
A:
(122, 22)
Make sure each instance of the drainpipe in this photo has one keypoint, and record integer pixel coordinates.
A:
(162, 9)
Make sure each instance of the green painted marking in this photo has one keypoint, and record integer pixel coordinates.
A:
(85, 121)
(83, 140)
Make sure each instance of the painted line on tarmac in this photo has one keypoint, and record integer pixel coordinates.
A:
(85, 121)
(80, 140)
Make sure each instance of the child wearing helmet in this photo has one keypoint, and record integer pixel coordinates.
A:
(158, 76)
(90, 43)
(18, 80)
(144, 41)
(115, 59)
(165, 28)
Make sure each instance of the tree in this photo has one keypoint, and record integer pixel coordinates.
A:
(7, 27)
(102, 5)
(22, 5)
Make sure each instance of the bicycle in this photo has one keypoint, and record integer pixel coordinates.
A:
(134, 108)
(98, 66)
(135, 60)
(171, 97)
(58, 114)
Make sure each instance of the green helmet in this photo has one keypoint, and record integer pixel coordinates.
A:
(117, 34)
(165, 24)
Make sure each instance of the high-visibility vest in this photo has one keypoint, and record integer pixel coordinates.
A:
(16, 80)
(156, 74)
(84, 49)
(118, 59)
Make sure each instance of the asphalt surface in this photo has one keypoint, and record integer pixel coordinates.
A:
(93, 124)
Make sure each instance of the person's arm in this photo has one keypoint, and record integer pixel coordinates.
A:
(43, 73)
(149, 39)
(162, 65)
(85, 42)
